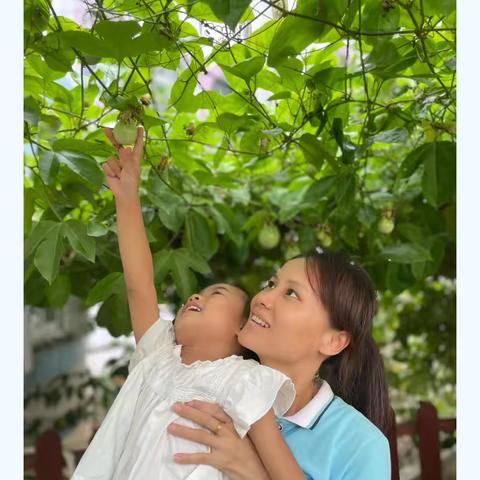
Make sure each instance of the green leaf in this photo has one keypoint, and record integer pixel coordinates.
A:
(112, 284)
(95, 229)
(323, 187)
(31, 110)
(256, 221)
(294, 33)
(439, 7)
(76, 232)
(58, 292)
(48, 254)
(47, 166)
(171, 210)
(28, 209)
(171, 207)
(375, 18)
(181, 94)
(230, 123)
(438, 181)
(227, 222)
(199, 235)
(48, 125)
(230, 11)
(116, 41)
(87, 43)
(38, 234)
(313, 150)
(184, 279)
(413, 160)
(114, 315)
(193, 260)
(406, 253)
(345, 191)
(280, 95)
(99, 149)
(57, 54)
(161, 265)
(117, 31)
(246, 69)
(83, 165)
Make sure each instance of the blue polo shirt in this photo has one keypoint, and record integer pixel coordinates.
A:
(331, 440)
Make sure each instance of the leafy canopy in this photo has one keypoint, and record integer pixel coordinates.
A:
(333, 121)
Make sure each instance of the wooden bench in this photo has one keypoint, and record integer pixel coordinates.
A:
(47, 462)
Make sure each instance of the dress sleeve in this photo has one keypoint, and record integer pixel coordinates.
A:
(254, 393)
(159, 337)
(371, 461)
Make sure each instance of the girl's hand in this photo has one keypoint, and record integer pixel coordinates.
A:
(234, 456)
(123, 173)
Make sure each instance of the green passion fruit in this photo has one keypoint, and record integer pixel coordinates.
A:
(125, 134)
(386, 225)
(269, 237)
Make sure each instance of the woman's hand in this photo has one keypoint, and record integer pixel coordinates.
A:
(234, 456)
(123, 173)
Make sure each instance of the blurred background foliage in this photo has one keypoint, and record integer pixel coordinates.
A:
(271, 128)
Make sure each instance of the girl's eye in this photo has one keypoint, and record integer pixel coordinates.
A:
(217, 292)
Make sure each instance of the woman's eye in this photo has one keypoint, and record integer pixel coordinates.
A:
(291, 290)
(217, 292)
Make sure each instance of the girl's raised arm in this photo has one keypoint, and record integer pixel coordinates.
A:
(123, 177)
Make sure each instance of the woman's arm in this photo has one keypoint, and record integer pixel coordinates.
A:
(234, 456)
(273, 451)
(123, 177)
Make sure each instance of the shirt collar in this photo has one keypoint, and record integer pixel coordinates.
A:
(314, 408)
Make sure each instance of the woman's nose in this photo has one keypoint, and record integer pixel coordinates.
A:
(264, 299)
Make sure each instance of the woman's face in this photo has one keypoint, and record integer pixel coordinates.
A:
(287, 323)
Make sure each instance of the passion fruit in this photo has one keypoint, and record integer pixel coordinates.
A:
(125, 134)
(324, 237)
(386, 225)
(269, 237)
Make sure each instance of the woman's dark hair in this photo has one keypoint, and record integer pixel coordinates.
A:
(356, 374)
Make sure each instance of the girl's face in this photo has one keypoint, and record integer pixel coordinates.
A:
(214, 314)
(288, 324)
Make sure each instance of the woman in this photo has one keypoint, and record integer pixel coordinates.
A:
(313, 322)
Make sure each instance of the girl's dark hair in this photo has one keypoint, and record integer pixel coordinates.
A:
(246, 353)
(356, 374)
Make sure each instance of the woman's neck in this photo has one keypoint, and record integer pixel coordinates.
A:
(304, 394)
(302, 377)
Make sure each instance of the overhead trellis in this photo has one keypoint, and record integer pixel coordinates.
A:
(270, 129)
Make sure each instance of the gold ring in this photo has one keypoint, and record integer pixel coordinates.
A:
(218, 428)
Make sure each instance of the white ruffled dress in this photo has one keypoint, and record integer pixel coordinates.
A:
(133, 444)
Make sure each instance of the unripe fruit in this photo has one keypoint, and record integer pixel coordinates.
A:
(269, 237)
(125, 134)
(324, 238)
(386, 225)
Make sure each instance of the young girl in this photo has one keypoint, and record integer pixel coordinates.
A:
(196, 359)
